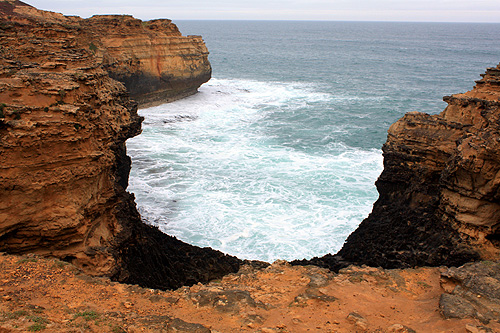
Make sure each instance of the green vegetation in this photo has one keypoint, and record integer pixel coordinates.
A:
(423, 284)
(37, 327)
(22, 261)
(17, 115)
(92, 47)
(12, 315)
(59, 263)
(87, 315)
(118, 329)
(40, 323)
(2, 106)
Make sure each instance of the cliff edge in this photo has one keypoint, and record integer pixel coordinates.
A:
(63, 125)
(439, 193)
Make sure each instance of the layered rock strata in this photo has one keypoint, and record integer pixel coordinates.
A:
(154, 61)
(63, 163)
(439, 200)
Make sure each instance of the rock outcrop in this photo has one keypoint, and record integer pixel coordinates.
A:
(471, 291)
(439, 200)
(63, 125)
(152, 58)
(154, 61)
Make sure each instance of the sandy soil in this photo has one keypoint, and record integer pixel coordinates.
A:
(52, 296)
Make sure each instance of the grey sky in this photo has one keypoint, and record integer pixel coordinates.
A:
(343, 10)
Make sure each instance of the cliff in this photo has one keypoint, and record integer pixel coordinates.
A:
(63, 125)
(439, 193)
(152, 58)
(154, 61)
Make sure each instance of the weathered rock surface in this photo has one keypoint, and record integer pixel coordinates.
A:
(473, 291)
(439, 200)
(63, 163)
(154, 61)
(152, 58)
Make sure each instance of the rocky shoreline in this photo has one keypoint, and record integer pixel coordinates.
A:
(65, 113)
(439, 192)
(63, 125)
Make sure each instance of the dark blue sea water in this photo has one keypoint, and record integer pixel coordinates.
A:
(276, 156)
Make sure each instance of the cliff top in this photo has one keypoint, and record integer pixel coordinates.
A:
(38, 293)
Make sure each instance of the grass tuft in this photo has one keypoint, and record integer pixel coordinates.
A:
(87, 315)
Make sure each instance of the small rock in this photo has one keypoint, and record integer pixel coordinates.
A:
(128, 305)
(6, 298)
(477, 329)
(398, 328)
(354, 316)
(267, 330)
(358, 320)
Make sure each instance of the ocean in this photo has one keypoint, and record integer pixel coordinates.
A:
(277, 155)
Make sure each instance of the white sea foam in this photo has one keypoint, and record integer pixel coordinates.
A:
(216, 169)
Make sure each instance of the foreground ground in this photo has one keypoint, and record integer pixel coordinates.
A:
(52, 296)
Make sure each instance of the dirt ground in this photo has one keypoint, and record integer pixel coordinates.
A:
(48, 295)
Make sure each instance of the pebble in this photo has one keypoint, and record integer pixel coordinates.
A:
(398, 328)
(6, 298)
(128, 305)
(267, 330)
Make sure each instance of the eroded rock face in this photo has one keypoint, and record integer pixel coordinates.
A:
(154, 61)
(63, 163)
(439, 200)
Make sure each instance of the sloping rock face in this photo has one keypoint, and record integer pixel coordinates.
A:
(63, 162)
(439, 200)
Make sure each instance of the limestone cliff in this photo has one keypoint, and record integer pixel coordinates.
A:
(154, 61)
(152, 58)
(63, 163)
(439, 200)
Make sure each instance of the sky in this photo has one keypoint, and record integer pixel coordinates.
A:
(482, 11)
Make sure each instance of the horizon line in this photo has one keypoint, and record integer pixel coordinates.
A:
(312, 20)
